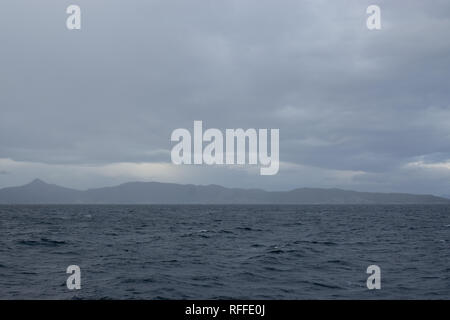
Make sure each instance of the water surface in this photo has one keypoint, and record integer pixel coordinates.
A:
(225, 252)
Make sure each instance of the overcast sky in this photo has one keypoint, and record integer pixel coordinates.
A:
(357, 109)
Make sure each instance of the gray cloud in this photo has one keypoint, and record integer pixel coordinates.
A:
(345, 99)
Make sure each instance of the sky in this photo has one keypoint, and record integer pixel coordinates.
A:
(356, 109)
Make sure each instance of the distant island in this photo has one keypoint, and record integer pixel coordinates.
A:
(39, 192)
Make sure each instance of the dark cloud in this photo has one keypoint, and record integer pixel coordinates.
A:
(344, 98)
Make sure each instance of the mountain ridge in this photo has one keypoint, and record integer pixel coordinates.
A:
(40, 192)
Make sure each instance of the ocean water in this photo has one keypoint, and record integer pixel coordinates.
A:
(225, 252)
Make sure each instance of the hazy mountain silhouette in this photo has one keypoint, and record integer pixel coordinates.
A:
(39, 192)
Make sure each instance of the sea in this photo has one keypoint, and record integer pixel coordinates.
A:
(225, 251)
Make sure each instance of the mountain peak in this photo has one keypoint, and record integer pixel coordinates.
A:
(37, 182)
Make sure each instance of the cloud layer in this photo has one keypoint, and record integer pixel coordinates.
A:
(360, 109)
